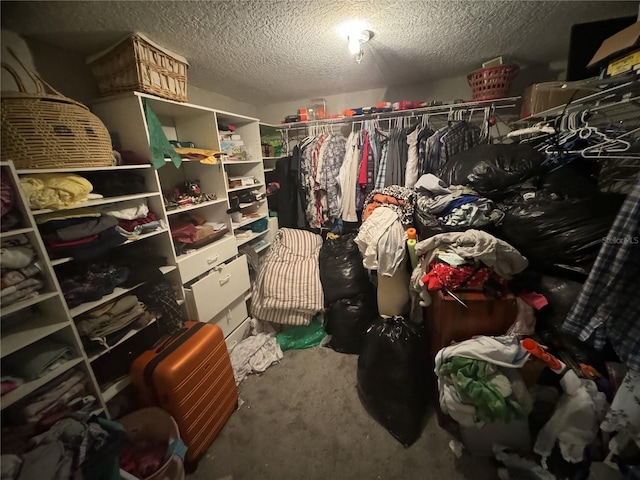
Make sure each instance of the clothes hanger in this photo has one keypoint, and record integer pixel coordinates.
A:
(610, 146)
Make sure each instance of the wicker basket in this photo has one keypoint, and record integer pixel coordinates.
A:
(48, 130)
(492, 83)
(136, 63)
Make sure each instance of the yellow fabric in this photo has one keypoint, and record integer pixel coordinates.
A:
(55, 190)
(204, 155)
(66, 214)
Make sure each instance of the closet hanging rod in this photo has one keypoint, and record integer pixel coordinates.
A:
(509, 102)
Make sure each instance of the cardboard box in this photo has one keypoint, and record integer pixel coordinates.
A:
(539, 97)
(615, 51)
(235, 182)
(624, 64)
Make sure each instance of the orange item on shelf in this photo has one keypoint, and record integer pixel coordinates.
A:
(349, 113)
(303, 114)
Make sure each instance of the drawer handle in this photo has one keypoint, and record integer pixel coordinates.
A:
(213, 259)
(225, 279)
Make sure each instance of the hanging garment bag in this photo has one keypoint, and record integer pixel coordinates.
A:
(190, 376)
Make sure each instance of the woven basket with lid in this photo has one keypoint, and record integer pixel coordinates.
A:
(45, 129)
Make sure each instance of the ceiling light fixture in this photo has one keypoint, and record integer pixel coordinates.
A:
(355, 41)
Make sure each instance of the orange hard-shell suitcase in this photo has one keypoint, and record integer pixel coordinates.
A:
(190, 376)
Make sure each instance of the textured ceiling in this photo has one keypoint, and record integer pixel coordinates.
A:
(268, 51)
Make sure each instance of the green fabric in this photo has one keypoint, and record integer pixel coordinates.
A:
(301, 336)
(475, 381)
(160, 146)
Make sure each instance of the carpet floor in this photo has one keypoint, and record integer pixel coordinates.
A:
(302, 419)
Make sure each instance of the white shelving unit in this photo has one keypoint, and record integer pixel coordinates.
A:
(198, 268)
(43, 316)
(157, 242)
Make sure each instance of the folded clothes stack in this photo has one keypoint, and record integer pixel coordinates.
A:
(133, 217)
(106, 325)
(66, 393)
(56, 190)
(21, 277)
(83, 233)
(34, 361)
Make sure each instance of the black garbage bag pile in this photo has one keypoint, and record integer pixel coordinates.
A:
(556, 217)
(491, 169)
(349, 296)
(392, 377)
(559, 233)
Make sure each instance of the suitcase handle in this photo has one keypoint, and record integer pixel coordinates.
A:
(164, 342)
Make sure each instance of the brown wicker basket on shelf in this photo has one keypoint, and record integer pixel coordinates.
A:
(48, 130)
(136, 63)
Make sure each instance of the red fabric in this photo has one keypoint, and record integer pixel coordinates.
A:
(72, 243)
(185, 233)
(9, 385)
(362, 178)
(129, 225)
(443, 276)
(143, 460)
(535, 300)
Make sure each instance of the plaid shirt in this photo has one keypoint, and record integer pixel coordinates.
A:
(608, 308)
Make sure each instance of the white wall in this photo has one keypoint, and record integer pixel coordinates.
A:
(206, 98)
(67, 72)
(443, 90)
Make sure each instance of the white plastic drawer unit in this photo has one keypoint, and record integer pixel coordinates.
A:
(207, 297)
(207, 257)
(239, 334)
(231, 316)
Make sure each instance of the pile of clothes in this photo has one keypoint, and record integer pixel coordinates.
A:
(257, 352)
(109, 323)
(33, 361)
(381, 237)
(21, 276)
(68, 392)
(75, 446)
(473, 260)
(458, 207)
(478, 381)
(89, 281)
(88, 285)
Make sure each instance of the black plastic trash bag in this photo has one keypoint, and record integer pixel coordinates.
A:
(561, 232)
(575, 180)
(490, 169)
(348, 319)
(393, 376)
(341, 271)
